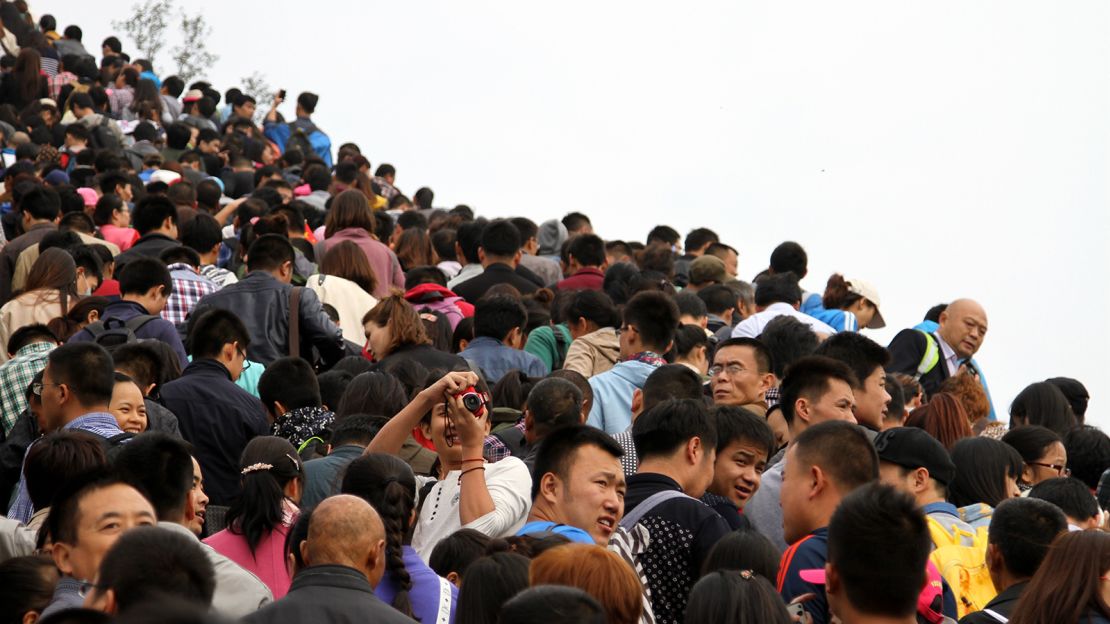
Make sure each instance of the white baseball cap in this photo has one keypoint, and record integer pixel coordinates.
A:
(868, 292)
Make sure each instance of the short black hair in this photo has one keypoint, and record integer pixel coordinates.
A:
(150, 563)
(660, 431)
(357, 429)
(213, 329)
(424, 197)
(1071, 495)
(160, 466)
(787, 339)
(385, 169)
(1043, 403)
(574, 221)
(469, 238)
(180, 254)
(87, 369)
(671, 381)
(56, 459)
(700, 237)
(496, 316)
(457, 551)
(690, 304)
(882, 568)
(734, 424)
(291, 381)
(764, 363)
(73, 32)
(809, 376)
(789, 257)
(64, 510)
(859, 352)
(113, 44)
(1076, 394)
(663, 234)
(177, 136)
(500, 239)
(554, 403)
(718, 299)
(201, 233)
(557, 450)
(1088, 454)
(527, 227)
(554, 604)
(78, 131)
(308, 101)
(777, 288)
(28, 334)
(655, 316)
(412, 219)
(152, 211)
(842, 450)
(174, 85)
(268, 252)
(587, 249)
(41, 202)
(141, 361)
(1023, 529)
(141, 274)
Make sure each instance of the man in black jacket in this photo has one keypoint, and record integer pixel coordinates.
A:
(344, 557)
(499, 253)
(155, 218)
(263, 300)
(932, 358)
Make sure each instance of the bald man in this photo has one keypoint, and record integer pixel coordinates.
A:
(344, 559)
(934, 352)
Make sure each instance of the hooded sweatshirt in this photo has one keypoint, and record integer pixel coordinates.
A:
(612, 408)
(436, 298)
(593, 353)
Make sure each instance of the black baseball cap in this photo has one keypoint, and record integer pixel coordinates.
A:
(912, 448)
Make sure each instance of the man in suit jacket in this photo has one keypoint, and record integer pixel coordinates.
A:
(499, 254)
(940, 355)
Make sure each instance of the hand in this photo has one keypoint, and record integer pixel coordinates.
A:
(450, 384)
(470, 428)
(278, 100)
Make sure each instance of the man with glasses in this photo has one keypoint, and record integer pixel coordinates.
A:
(75, 391)
(215, 415)
(741, 374)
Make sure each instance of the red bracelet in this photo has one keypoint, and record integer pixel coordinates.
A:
(471, 470)
(479, 459)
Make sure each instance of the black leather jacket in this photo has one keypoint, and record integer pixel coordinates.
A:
(262, 302)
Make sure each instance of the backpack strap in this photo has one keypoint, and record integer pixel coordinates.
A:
(137, 323)
(118, 439)
(295, 322)
(996, 615)
(930, 358)
(632, 519)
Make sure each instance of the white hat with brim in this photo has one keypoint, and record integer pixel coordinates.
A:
(868, 292)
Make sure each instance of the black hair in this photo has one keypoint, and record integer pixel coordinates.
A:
(78, 131)
(789, 257)
(1076, 394)
(700, 237)
(842, 450)
(87, 369)
(268, 464)
(558, 449)
(787, 339)
(982, 467)
(663, 234)
(554, 403)
(859, 352)
(592, 305)
(552, 604)
(412, 219)
(141, 362)
(208, 194)
(180, 254)
(113, 44)
(671, 381)
(490, 582)
(881, 569)
(61, 523)
(108, 204)
(496, 316)
(160, 466)
(734, 424)
(1071, 495)
(41, 202)
(174, 85)
(655, 317)
(152, 211)
(777, 288)
(149, 563)
(141, 274)
(456, 552)
(424, 275)
(1042, 403)
(332, 384)
(896, 408)
(744, 549)
(660, 431)
(1031, 441)
(690, 304)
(308, 101)
(574, 221)
(378, 393)
(729, 596)
(443, 242)
(290, 380)
(201, 233)
(469, 238)
(423, 197)
(387, 483)
(177, 136)
(89, 257)
(357, 429)
(809, 377)
(213, 329)
(26, 584)
(687, 338)
(1088, 454)
(764, 363)
(1022, 529)
(500, 239)
(933, 313)
(587, 249)
(57, 458)
(718, 299)
(268, 252)
(28, 334)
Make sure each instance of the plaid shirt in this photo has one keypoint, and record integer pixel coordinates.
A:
(102, 424)
(15, 375)
(221, 277)
(60, 80)
(494, 450)
(772, 397)
(188, 288)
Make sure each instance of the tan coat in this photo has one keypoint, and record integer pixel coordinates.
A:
(37, 306)
(594, 353)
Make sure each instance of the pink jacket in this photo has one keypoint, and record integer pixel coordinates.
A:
(267, 562)
(382, 259)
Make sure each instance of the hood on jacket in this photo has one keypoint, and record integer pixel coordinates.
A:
(976, 513)
(605, 342)
(433, 293)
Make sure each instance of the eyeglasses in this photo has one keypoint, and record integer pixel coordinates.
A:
(246, 362)
(84, 588)
(1063, 471)
(731, 369)
(36, 388)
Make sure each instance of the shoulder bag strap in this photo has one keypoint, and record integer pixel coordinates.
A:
(295, 322)
(651, 502)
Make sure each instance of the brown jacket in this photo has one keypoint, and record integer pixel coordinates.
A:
(594, 353)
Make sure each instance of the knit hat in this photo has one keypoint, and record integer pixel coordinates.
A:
(89, 195)
(56, 177)
(551, 237)
(705, 269)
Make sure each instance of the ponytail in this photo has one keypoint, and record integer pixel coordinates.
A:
(268, 464)
(837, 296)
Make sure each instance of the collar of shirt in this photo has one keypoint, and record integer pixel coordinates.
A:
(951, 360)
(941, 507)
(647, 357)
(33, 349)
(96, 422)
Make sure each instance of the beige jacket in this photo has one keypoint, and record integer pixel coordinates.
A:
(37, 306)
(28, 256)
(348, 299)
(594, 353)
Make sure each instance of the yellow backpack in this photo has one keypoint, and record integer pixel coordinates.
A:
(963, 567)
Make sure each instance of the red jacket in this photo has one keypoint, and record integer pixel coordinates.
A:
(588, 278)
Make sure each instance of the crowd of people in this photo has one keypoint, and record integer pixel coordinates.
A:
(245, 377)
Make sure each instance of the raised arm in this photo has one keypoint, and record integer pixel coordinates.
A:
(393, 435)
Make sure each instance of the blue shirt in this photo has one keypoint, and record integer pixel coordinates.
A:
(573, 534)
(495, 359)
(810, 553)
(612, 408)
(428, 590)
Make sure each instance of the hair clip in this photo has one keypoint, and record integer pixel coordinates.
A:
(256, 468)
(747, 575)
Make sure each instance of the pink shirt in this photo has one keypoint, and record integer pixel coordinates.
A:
(383, 261)
(267, 562)
(121, 237)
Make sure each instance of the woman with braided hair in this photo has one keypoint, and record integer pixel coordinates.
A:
(414, 589)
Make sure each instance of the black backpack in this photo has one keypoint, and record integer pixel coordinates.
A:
(102, 137)
(113, 332)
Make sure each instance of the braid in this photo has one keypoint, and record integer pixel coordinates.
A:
(396, 507)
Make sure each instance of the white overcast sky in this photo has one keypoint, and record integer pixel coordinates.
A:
(940, 150)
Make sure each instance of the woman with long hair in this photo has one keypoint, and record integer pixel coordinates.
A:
(1044, 404)
(1072, 585)
(987, 473)
(1042, 451)
(409, 585)
(943, 417)
(146, 103)
(52, 288)
(346, 282)
(83, 313)
(414, 249)
(24, 83)
(351, 219)
(394, 331)
(259, 520)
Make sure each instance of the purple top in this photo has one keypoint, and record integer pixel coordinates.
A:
(427, 590)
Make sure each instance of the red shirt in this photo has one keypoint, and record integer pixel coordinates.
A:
(588, 278)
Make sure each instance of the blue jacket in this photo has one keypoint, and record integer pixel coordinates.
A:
(612, 408)
(930, 327)
(809, 553)
(495, 359)
(280, 133)
(158, 329)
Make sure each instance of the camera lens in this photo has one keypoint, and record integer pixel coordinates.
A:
(472, 402)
